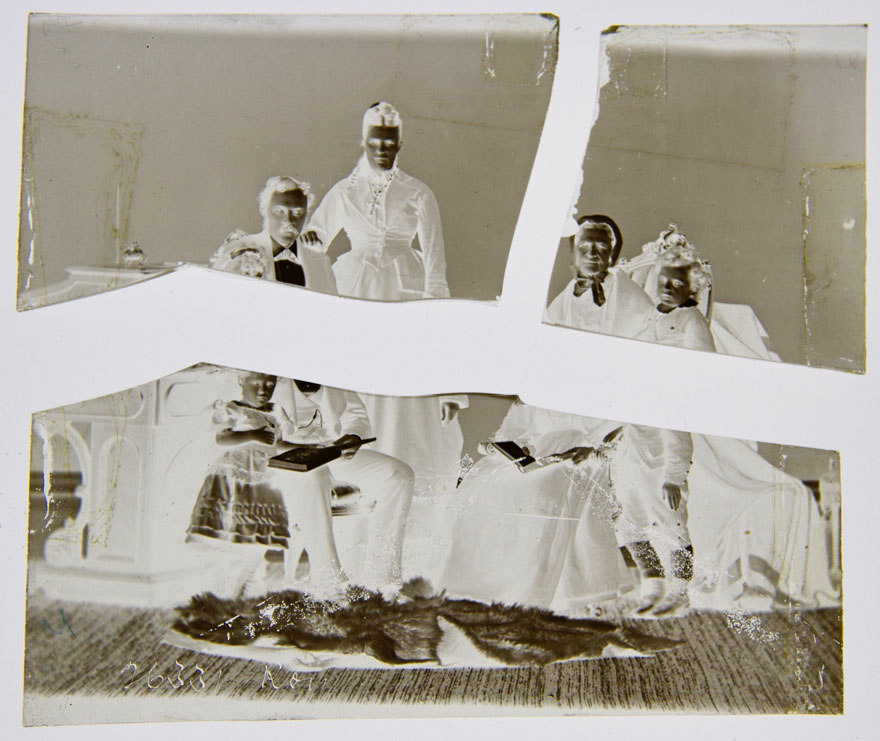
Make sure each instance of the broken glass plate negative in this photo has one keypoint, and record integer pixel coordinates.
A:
(147, 141)
(731, 161)
(168, 560)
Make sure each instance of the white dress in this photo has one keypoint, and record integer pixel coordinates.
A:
(682, 327)
(509, 533)
(735, 328)
(647, 458)
(382, 213)
(757, 532)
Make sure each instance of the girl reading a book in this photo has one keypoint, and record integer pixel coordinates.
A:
(245, 504)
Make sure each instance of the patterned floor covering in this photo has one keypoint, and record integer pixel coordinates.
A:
(774, 663)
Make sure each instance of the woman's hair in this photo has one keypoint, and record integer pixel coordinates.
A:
(675, 251)
(284, 184)
(381, 114)
(606, 224)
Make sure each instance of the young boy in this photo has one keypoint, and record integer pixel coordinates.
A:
(649, 475)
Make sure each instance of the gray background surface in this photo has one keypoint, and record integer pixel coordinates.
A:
(219, 104)
(726, 133)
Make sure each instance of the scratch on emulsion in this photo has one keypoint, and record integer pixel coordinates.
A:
(810, 678)
(551, 45)
(48, 467)
(549, 51)
(489, 55)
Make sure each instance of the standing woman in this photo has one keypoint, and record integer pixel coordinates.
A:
(383, 210)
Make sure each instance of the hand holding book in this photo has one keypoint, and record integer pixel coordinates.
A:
(349, 445)
(304, 457)
(577, 455)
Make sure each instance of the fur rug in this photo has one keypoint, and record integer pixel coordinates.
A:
(409, 630)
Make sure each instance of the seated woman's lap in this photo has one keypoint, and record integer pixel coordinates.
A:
(510, 532)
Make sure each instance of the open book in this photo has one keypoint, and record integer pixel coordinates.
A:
(526, 462)
(306, 457)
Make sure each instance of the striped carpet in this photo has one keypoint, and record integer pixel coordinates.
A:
(775, 663)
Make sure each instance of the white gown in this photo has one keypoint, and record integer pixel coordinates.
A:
(382, 213)
(409, 428)
(757, 532)
(735, 328)
(509, 533)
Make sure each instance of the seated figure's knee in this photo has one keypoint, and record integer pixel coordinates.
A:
(320, 476)
(315, 482)
(396, 470)
(403, 471)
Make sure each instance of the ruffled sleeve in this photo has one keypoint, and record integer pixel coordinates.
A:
(224, 416)
(242, 255)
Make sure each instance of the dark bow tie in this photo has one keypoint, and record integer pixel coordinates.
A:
(286, 254)
(594, 282)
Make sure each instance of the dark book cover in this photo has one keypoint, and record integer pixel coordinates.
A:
(309, 457)
(515, 453)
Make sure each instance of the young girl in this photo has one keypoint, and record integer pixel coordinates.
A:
(754, 527)
(649, 475)
(652, 466)
(681, 284)
(246, 503)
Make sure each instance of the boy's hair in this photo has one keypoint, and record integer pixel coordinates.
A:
(284, 184)
(606, 224)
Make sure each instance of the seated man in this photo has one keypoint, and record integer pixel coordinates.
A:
(275, 253)
(320, 414)
(600, 298)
